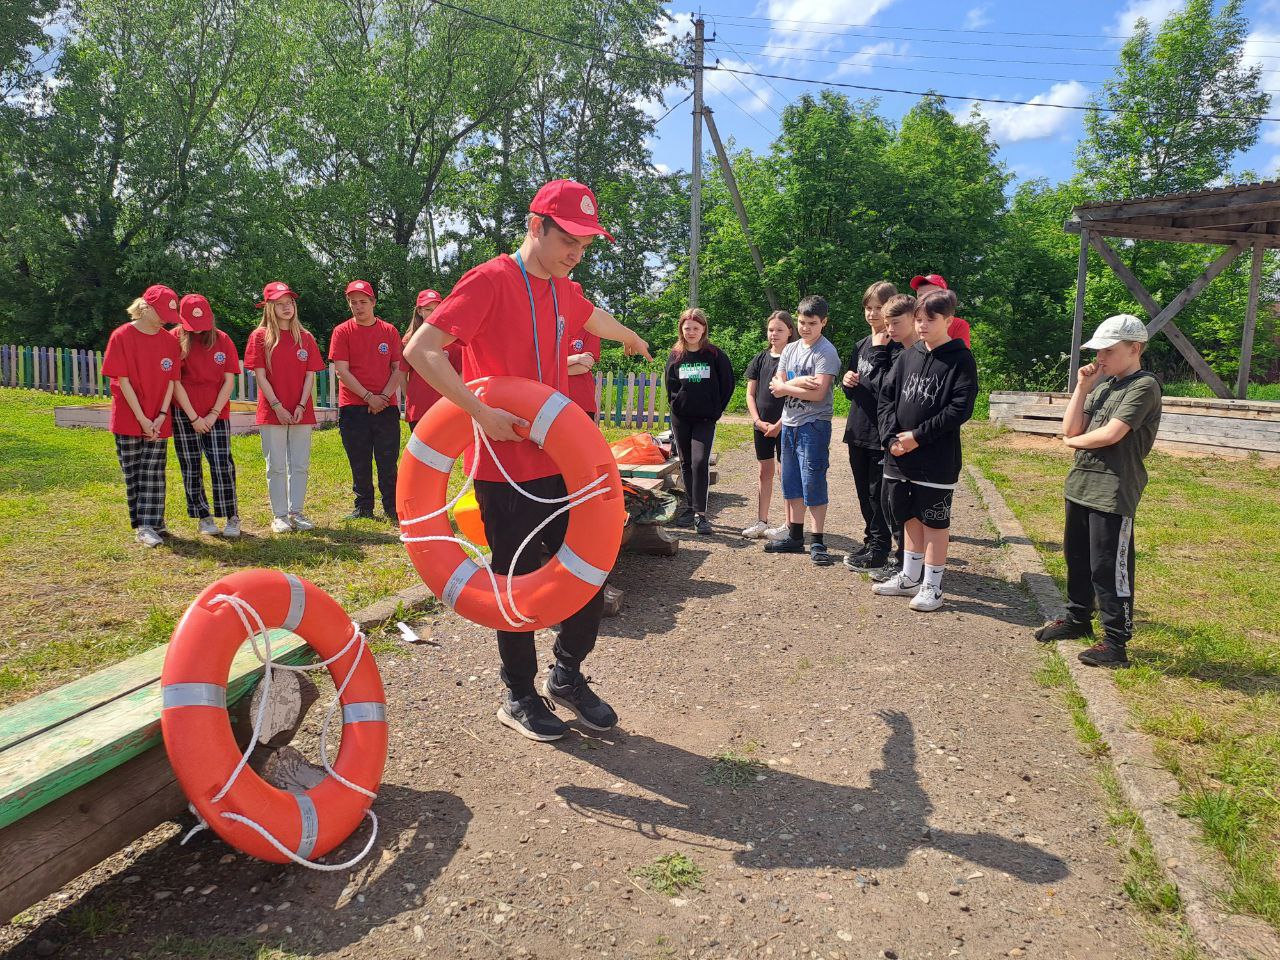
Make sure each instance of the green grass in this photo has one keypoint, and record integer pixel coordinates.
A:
(79, 594)
(672, 874)
(92, 922)
(1268, 392)
(1205, 680)
(216, 948)
(730, 768)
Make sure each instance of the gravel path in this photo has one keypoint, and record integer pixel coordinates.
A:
(918, 794)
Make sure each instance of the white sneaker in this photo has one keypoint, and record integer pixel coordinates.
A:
(208, 527)
(281, 525)
(148, 537)
(929, 598)
(778, 533)
(756, 530)
(899, 586)
(232, 529)
(300, 522)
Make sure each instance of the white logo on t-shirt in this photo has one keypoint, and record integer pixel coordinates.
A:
(302, 355)
(382, 348)
(576, 345)
(219, 357)
(166, 364)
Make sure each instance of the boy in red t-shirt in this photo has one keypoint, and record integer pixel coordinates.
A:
(512, 314)
(143, 363)
(420, 396)
(202, 417)
(365, 351)
(923, 286)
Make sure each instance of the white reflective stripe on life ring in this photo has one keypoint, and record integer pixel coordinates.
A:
(193, 695)
(429, 455)
(580, 568)
(547, 416)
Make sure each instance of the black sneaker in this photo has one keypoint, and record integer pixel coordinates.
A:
(818, 554)
(702, 525)
(784, 546)
(1063, 629)
(685, 518)
(533, 717)
(852, 558)
(359, 514)
(1104, 655)
(577, 695)
(892, 567)
(866, 561)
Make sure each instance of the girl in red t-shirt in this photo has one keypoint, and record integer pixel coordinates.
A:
(143, 362)
(201, 418)
(420, 396)
(284, 359)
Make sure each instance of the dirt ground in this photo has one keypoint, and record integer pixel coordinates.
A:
(920, 796)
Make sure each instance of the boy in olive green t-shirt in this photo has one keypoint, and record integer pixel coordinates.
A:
(1111, 423)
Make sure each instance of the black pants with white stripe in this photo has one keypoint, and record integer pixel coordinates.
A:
(192, 448)
(1099, 550)
(509, 517)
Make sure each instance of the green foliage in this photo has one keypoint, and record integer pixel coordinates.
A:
(672, 874)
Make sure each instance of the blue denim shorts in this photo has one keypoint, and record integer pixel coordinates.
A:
(806, 454)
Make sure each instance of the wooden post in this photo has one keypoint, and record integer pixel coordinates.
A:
(732, 184)
(1077, 325)
(695, 180)
(631, 399)
(1250, 322)
(651, 386)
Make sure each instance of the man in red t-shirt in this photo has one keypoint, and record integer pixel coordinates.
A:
(365, 351)
(584, 351)
(515, 315)
(924, 285)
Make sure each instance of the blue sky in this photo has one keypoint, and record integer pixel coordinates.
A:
(1010, 49)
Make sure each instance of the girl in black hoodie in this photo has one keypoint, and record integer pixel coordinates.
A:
(700, 382)
(924, 400)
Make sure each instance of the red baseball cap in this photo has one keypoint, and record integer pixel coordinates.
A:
(361, 286)
(164, 301)
(933, 279)
(572, 205)
(196, 314)
(273, 291)
(428, 296)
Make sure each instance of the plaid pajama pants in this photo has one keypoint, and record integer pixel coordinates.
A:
(191, 448)
(143, 462)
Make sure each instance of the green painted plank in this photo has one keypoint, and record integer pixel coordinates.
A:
(59, 760)
(648, 471)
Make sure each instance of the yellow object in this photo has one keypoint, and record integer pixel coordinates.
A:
(466, 514)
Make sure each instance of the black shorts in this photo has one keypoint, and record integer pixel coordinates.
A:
(911, 501)
(767, 448)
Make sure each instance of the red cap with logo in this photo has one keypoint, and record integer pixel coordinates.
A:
(196, 314)
(427, 297)
(361, 286)
(933, 279)
(572, 205)
(164, 301)
(273, 291)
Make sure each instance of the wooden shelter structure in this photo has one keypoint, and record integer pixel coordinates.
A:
(1242, 218)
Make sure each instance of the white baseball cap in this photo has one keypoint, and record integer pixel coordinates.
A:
(1118, 329)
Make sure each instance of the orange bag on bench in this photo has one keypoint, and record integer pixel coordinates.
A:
(637, 449)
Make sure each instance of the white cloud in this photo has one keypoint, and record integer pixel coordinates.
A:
(662, 168)
(792, 17)
(1153, 11)
(865, 58)
(727, 84)
(1014, 124)
(977, 17)
(677, 27)
(1258, 44)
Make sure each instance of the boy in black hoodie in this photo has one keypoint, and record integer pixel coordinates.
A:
(869, 364)
(700, 381)
(926, 397)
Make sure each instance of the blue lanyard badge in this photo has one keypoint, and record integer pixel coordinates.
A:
(533, 317)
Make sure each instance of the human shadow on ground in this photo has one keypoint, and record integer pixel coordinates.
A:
(165, 912)
(313, 548)
(652, 603)
(985, 596)
(787, 821)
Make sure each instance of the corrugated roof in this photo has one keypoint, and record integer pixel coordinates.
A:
(1231, 190)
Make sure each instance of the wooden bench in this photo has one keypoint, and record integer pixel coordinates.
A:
(83, 771)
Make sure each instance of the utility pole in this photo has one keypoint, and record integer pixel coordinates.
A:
(695, 193)
(732, 184)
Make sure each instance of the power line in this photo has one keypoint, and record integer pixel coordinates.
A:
(995, 100)
(744, 60)
(673, 107)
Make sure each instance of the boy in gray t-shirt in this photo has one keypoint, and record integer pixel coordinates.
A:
(1111, 423)
(806, 377)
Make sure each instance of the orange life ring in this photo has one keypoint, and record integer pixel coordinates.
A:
(563, 585)
(197, 728)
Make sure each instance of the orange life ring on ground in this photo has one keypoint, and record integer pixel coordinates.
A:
(197, 728)
(562, 586)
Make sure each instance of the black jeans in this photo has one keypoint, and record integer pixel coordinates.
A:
(1099, 550)
(868, 477)
(508, 518)
(895, 525)
(694, 440)
(371, 438)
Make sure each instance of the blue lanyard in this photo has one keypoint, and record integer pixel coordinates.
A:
(533, 316)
